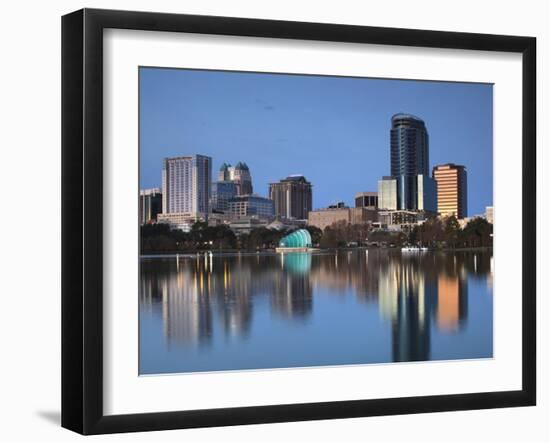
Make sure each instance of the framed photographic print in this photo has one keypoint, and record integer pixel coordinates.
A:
(269, 221)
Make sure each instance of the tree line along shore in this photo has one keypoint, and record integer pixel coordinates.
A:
(434, 233)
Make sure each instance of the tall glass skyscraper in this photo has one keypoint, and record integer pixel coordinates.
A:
(409, 144)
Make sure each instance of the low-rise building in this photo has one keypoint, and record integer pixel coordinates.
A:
(367, 200)
(400, 220)
(219, 219)
(245, 225)
(250, 205)
(222, 193)
(180, 220)
(322, 218)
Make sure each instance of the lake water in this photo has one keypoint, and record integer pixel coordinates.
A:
(254, 311)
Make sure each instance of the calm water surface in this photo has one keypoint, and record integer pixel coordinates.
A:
(267, 310)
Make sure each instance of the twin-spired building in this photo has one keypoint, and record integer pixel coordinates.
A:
(239, 175)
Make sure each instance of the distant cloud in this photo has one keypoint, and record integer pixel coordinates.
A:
(265, 105)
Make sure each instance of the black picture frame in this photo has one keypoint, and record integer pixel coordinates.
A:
(82, 239)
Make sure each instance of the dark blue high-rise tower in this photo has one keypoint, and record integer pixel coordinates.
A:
(410, 163)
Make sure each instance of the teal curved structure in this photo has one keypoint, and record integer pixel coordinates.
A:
(297, 239)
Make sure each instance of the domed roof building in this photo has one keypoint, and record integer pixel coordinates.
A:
(300, 239)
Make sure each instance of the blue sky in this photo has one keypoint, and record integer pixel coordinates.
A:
(333, 130)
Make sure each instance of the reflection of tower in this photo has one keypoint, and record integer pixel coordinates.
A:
(236, 306)
(388, 289)
(452, 302)
(186, 311)
(407, 296)
(293, 293)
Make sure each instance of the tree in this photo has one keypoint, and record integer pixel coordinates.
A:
(452, 231)
(386, 237)
(431, 232)
(316, 234)
(329, 238)
(477, 233)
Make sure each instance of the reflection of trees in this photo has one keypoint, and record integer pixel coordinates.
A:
(341, 271)
(198, 297)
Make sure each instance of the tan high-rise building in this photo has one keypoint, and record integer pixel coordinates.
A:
(451, 190)
(292, 197)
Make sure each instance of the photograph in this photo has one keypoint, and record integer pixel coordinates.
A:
(296, 220)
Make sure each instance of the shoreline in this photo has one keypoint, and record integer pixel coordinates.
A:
(234, 252)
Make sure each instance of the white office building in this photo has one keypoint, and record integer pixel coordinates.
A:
(186, 185)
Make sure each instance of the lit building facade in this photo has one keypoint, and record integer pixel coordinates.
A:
(489, 214)
(186, 184)
(150, 205)
(366, 200)
(292, 197)
(400, 220)
(451, 190)
(387, 193)
(250, 205)
(426, 196)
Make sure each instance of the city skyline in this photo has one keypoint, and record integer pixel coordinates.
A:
(261, 127)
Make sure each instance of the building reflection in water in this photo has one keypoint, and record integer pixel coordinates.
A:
(292, 294)
(202, 296)
(452, 305)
